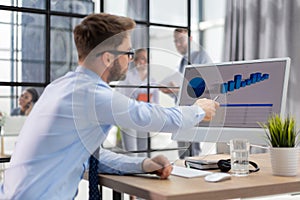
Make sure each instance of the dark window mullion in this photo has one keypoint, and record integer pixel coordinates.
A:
(189, 12)
(149, 149)
(47, 43)
(12, 55)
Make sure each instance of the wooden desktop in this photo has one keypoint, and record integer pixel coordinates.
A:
(176, 188)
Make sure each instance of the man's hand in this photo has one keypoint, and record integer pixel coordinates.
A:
(209, 106)
(158, 165)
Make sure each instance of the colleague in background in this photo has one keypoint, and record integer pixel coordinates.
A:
(73, 115)
(133, 140)
(181, 40)
(26, 101)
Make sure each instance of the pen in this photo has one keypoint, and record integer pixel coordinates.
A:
(216, 98)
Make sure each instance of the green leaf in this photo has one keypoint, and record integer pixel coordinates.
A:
(281, 132)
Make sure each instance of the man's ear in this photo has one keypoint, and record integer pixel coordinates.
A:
(107, 59)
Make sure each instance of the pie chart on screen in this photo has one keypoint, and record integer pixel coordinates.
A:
(196, 87)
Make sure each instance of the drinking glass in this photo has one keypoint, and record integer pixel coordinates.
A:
(239, 152)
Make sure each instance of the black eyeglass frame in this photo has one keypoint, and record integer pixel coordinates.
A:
(130, 53)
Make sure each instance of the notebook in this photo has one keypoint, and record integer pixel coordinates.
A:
(201, 164)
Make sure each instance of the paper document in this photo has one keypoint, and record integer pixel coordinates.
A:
(175, 78)
(188, 173)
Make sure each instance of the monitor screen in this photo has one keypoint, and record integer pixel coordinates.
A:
(248, 93)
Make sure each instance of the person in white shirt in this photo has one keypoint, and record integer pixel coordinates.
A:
(73, 115)
(133, 140)
(199, 56)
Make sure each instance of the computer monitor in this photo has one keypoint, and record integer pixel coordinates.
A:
(248, 92)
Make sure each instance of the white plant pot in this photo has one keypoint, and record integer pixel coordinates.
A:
(284, 161)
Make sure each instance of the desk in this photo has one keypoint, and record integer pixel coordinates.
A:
(177, 188)
(4, 158)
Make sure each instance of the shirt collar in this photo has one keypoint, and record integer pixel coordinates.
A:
(88, 72)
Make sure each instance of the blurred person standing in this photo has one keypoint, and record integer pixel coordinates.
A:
(181, 41)
(134, 140)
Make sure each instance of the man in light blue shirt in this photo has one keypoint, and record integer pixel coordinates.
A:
(73, 115)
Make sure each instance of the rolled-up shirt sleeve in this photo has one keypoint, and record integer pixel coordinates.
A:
(113, 163)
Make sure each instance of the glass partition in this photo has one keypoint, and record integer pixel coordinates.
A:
(41, 4)
(22, 47)
(33, 48)
(63, 54)
(171, 12)
(72, 6)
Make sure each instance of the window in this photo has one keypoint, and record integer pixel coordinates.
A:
(37, 43)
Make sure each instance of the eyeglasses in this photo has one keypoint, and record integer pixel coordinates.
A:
(130, 53)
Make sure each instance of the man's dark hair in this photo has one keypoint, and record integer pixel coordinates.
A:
(180, 30)
(96, 28)
(34, 94)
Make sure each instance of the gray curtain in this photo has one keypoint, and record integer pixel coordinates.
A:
(257, 29)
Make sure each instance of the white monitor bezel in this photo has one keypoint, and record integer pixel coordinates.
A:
(224, 134)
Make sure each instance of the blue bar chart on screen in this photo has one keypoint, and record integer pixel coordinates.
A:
(238, 82)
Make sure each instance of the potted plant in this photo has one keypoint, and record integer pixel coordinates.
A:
(283, 139)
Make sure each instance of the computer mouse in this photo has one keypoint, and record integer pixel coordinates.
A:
(216, 177)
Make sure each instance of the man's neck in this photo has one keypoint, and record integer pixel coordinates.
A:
(102, 72)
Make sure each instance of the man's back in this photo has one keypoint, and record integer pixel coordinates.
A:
(50, 138)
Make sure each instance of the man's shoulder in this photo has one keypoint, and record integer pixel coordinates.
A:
(199, 53)
(199, 57)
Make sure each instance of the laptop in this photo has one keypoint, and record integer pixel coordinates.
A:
(13, 125)
(10, 132)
